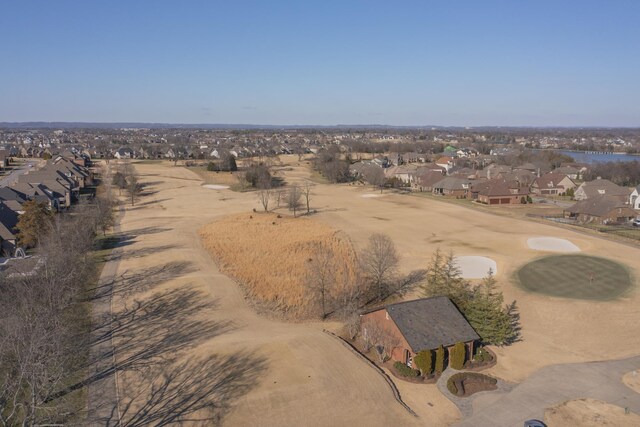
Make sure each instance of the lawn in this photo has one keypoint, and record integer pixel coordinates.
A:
(575, 276)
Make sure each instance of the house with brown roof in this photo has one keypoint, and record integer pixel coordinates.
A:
(601, 209)
(451, 186)
(497, 192)
(425, 178)
(552, 184)
(599, 187)
(420, 325)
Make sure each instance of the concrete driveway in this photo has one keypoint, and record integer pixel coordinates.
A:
(555, 384)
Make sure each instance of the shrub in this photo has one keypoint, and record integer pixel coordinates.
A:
(482, 355)
(440, 360)
(458, 356)
(212, 166)
(456, 382)
(424, 362)
(406, 371)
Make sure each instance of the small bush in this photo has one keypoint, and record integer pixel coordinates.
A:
(458, 356)
(424, 362)
(482, 355)
(440, 360)
(406, 371)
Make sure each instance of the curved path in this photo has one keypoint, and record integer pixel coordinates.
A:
(555, 384)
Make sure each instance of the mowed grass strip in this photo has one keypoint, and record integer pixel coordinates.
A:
(575, 276)
(270, 256)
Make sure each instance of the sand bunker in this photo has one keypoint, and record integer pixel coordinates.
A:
(589, 413)
(551, 244)
(475, 267)
(215, 186)
(370, 195)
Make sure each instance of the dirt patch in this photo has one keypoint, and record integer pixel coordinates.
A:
(270, 256)
(589, 413)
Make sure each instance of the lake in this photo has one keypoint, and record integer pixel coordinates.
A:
(582, 157)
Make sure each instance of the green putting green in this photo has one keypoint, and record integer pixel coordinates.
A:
(575, 276)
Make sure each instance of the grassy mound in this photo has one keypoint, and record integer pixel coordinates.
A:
(269, 256)
(576, 276)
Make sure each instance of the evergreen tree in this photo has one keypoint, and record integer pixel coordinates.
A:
(424, 362)
(458, 356)
(439, 360)
(33, 223)
(485, 310)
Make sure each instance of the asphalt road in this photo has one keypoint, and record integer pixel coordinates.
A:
(555, 384)
(13, 176)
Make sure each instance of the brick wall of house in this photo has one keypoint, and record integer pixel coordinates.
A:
(381, 318)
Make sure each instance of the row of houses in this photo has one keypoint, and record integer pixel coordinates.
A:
(599, 201)
(57, 183)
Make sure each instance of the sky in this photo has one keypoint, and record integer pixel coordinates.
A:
(325, 62)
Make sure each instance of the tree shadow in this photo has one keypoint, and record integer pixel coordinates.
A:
(196, 391)
(140, 281)
(158, 384)
(139, 253)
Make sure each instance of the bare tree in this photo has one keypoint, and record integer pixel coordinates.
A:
(380, 339)
(293, 198)
(380, 263)
(321, 275)
(374, 175)
(265, 191)
(306, 192)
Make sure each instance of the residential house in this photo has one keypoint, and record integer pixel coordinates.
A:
(425, 178)
(552, 184)
(634, 198)
(599, 187)
(451, 186)
(8, 222)
(445, 162)
(601, 209)
(123, 153)
(497, 192)
(420, 325)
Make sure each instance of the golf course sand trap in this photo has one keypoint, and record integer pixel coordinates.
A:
(589, 413)
(475, 267)
(551, 244)
(216, 186)
(370, 195)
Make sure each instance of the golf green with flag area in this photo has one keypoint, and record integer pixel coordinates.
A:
(575, 276)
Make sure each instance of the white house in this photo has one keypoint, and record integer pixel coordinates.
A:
(634, 198)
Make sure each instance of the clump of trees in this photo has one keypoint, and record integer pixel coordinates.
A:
(258, 175)
(226, 164)
(331, 165)
(482, 305)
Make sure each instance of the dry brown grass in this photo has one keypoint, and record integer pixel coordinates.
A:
(589, 413)
(270, 256)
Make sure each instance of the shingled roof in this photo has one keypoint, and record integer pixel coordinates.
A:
(430, 322)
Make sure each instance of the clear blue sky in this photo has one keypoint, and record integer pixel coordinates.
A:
(468, 63)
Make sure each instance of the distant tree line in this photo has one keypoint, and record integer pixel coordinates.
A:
(622, 173)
